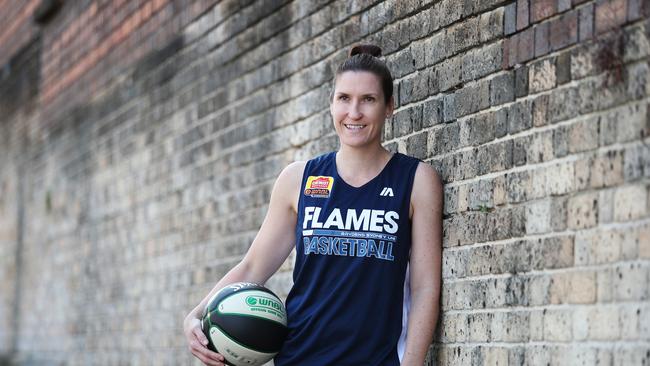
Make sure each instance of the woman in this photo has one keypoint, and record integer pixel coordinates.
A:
(366, 225)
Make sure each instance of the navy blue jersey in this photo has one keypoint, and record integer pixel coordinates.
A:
(350, 298)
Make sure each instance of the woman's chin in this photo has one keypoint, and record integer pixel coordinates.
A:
(355, 141)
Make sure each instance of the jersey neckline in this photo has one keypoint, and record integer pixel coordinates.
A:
(336, 171)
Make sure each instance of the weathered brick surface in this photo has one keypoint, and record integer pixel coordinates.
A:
(139, 142)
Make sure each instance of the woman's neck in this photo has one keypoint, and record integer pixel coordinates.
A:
(363, 162)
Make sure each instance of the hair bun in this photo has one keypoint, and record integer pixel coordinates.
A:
(370, 49)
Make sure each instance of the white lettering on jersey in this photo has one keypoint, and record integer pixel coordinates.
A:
(359, 222)
(390, 218)
(376, 218)
(335, 219)
(366, 220)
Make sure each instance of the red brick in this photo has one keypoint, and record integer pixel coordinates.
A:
(586, 23)
(542, 9)
(522, 14)
(634, 9)
(541, 39)
(610, 14)
(509, 52)
(507, 46)
(525, 45)
(564, 31)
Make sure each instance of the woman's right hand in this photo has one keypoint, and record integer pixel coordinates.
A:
(197, 343)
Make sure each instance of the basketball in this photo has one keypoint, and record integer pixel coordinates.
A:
(246, 323)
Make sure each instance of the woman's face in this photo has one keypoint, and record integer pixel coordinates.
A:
(358, 108)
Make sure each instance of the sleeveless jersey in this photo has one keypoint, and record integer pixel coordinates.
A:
(350, 299)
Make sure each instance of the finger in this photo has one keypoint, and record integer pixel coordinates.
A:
(207, 361)
(198, 333)
(205, 352)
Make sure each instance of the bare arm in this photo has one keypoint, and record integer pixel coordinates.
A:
(425, 263)
(270, 248)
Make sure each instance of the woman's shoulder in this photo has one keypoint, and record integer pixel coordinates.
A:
(293, 172)
(426, 182)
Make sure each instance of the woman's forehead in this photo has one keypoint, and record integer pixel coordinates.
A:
(358, 82)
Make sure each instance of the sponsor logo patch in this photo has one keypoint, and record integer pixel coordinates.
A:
(319, 186)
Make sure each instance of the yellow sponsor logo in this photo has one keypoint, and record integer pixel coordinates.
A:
(319, 186)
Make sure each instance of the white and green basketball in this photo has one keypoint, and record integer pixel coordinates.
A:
(246, 323)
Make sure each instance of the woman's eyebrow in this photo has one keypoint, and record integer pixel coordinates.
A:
(363, 95)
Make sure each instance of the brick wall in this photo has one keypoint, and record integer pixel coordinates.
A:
(140, 141)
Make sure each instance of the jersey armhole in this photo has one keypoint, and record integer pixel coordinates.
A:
(301, 189)
(410, 182)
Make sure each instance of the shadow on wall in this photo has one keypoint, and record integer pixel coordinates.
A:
(5, 360)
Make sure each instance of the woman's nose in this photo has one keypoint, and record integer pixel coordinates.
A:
(354, 112)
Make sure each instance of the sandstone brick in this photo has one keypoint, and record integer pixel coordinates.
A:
(583, 61)
(582, 211)
(449, 107)
(501, 122)
(449, 73)
(644, 242)
(479, 62)
(536, 325)
(432, 112)
(502, 89)
(403, 62)
(630, 356)
(560, 178)
(563, 68)
(538, 218)
(630, 203)
(541, 76)
(478, 325)
(436, 48)
(512, 326)
(517, 183)
(583, 135)
(521, 81)
(559, 213)
(464, 35)
(416, 145)
(631, 282)
(558, 325)
(563, 104)
(606, 170)
(510, 19)
(603, 323)
(606, 206)
(538, 356)
(443, 139)
(519, 116)
(496, 355)
(491, 25)
(472, 98)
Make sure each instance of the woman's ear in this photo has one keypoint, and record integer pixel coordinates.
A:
(390, 107)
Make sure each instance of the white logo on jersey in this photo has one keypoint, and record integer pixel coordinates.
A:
(386, 192)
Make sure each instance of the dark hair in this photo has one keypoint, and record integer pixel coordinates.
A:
(365, 57)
